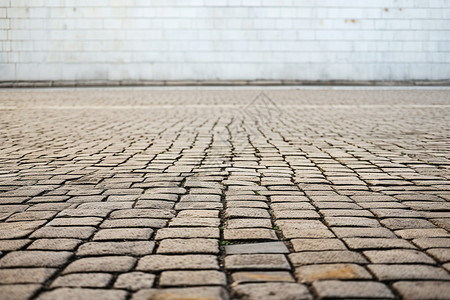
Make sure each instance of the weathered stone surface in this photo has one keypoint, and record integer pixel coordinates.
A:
(25, 275)
(139, 196)
(374, 243)
(246, 213)
(177, 262)
(440, 254)
(18, 291)
(189, 278)
(123, 234)
(348, 232)
(422, 233)
(54, 244)
(256, 262)
(83, 294)
(420, 290)
(82, 280)
(10, 245)
(77, 232)
(273, 276)
(426, 243)
(187, 232)
(134, 281)
(406, 272)
(267, 247)
(249, 234)
(352, 289)
(326, 257)
(313, 273)
(248, 223)
(186, 246)
(142, 213)
(101, 264)
(35, 259)
(210, 293)
(116, 248)
(398, 257)
(271, 291)
(18, 229)
(139, 222)
(195, 222)
(317, 244)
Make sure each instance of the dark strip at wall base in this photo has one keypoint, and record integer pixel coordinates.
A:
(112, 83)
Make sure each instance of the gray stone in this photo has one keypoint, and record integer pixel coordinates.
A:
(177, 262)
(374, 243)
(192, 278)
(123, 234)
(352, 289)
(406, 272)
(25, 275)
(271, 291)
(210, 293)
(313, 273)
(326, 257)
(134, 281)
(18, 291)
(82, 280)
(137, 248)
(268, 247)
(35, 259)
(185, 246)
(257, 262)
(317, 244)
(101, 264)
(187, 232)
(398, 256)
(54, 244)
(422, 290)
(249, 234)
(83, 294)
(273, 276)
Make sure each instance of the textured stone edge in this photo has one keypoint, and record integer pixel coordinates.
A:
(105, 83)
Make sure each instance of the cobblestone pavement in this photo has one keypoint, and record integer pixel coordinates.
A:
(242, 194)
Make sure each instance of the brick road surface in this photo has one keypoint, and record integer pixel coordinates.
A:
(218, 194)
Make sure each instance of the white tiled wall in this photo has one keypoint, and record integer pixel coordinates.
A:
(224, 39)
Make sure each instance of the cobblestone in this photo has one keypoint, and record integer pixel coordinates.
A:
(203, 193)
(335, 289)
(423, 289)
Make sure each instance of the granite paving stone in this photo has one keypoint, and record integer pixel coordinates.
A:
(192, 278)
(405, 272)
(335, 289)
(25, 275)
(423, 289)
(320, 257)
(398, 256)
(267, 247)
(256, 262)
(136, 248)
(271, 291)
(35, 259)
(101, 264)
(224, 193)
(271, 276)
(177, 262)
(210, 293)
(82, 280)
(312, 273)
(134, 281)
(83, 293)
(185, 246)
(18, 291)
